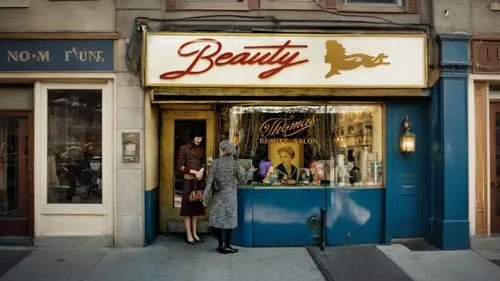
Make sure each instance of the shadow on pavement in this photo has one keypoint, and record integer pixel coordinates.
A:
(11, 257)
(359, 263)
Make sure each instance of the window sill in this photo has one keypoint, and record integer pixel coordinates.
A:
(241, 6)
(282, 5)
(73, 209)
(15, 4)
(372, 8)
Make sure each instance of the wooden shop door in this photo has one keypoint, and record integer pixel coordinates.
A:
(16, 174)
(495, 167)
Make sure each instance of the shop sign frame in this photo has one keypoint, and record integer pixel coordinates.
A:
(240, 60)
(486, 55)
(30, 55)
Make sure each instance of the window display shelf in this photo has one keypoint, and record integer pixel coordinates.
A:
(285, 187)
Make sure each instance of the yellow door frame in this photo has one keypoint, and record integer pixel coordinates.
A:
(168, 213)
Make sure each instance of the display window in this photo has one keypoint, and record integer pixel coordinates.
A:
(74, 146)
(324, 145)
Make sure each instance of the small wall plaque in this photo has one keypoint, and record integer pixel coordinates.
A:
(131, 147)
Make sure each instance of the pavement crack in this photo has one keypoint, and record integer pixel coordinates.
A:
(94, 265)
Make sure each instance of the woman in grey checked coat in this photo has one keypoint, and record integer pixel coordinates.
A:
(224, 207)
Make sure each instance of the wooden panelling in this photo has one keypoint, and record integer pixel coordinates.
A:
(330, 4)
(171, 5)
(486, 55)
(254, 4)
(413, 6)
(480, 104)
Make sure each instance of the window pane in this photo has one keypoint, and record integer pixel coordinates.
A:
(358, 145)
(13, 163)
(74, 146)
(398, 2)
(309, 145)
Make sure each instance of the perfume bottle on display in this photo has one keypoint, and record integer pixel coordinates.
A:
(331, 171)
(375, 170)
(363, 165)
(340, 170)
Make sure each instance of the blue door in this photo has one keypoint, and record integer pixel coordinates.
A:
(407, 174)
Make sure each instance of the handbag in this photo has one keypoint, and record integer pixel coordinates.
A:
(195, 195)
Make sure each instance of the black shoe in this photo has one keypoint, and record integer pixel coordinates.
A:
(221, 250)
(229, 250)
(199, 240)
(190, 242)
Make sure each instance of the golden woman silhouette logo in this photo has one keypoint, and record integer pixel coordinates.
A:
(338, 59)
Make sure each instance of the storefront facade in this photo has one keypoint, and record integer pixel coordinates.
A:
(57, 140)
(345, 123)
(484, 95)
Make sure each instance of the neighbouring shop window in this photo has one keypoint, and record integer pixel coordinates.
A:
(333, 145)
(74, 146)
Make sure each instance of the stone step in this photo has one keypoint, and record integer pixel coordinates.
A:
(485, 243)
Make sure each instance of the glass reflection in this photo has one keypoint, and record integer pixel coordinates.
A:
(13, 162)
(74, 143)
(309, 145)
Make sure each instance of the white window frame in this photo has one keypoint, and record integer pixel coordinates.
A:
(43, 208)
(14, 3)
(212, 5)
(290, 5)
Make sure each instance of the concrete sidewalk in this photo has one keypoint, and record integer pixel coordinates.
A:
(172, 259)
(463, 265)
(169, 259)
(10, 256)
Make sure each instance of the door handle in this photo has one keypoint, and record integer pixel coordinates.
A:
(493, 184)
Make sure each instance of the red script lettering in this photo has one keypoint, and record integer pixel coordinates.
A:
(207, 53)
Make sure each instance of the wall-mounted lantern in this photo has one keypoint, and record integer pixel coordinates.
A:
(407, 139)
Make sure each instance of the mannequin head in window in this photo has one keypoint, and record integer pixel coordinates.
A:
(264, 166)
(317, 171)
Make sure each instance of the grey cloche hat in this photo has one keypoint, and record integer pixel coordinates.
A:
(227, 147)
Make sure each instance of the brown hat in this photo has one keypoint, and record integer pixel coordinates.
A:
(227, 147)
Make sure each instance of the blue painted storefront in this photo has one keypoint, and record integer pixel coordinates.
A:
(425, 195)
(282, 216)
(449, 220)
(152, 213)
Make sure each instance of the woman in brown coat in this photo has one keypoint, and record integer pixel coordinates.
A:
(191, 162)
